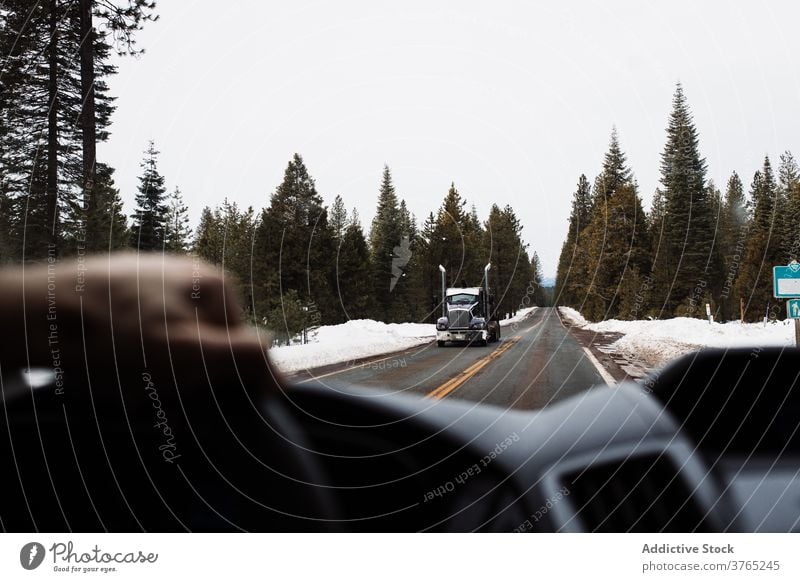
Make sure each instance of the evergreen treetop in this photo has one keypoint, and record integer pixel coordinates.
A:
(150, 217)
(615, 172)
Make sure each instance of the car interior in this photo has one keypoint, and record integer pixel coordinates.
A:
(707, 444)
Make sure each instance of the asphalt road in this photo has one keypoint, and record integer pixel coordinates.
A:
(537, 362)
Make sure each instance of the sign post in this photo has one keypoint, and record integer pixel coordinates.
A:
(786, 285)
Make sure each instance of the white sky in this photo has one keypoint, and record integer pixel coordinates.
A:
(511, 100)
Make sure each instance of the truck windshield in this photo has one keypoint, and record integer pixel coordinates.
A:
(462, 299)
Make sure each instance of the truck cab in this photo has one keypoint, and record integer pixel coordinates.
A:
(467, 315)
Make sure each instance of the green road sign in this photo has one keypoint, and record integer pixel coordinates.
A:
(793, 308)
(786, 280)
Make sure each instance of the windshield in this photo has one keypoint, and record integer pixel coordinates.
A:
(509, 205)
(462, 299)
(338, 231)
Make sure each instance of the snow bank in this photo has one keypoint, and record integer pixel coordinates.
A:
(572, 316)
(654, 342)
(521, 314)
(358, 338)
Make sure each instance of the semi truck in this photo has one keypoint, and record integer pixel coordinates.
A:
(468, 313)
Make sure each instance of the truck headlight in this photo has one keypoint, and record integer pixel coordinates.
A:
(442, 323)
(477, 323)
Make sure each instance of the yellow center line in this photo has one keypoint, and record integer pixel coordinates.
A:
(465, 375)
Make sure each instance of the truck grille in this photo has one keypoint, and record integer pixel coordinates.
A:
(459, 318)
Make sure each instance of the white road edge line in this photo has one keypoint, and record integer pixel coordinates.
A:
(604, 374)
(607, 378)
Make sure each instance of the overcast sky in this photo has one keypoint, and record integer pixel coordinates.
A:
(510, 101)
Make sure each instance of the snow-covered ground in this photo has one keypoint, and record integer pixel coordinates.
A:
(654, 342)
(521, 314)
(355, 339)
(572, 316)
(359, 338)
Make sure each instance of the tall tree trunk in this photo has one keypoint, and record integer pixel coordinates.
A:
(51, 205)
(88, 123)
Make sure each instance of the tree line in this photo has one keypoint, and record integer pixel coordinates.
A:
(299, 263)
(695, 246)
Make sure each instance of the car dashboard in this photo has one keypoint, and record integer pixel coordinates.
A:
(709, 444)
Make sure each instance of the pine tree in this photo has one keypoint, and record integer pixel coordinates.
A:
(288, 318)
(338, 220)
(106, 226)
(475, 256)
(655, 218)
(293, 251)
(765, 205)
(456, 238)
(177, 232)
(20, 135)
(404, 285)
(150, 217)
(615, 173)
(789, 211)
(510, 273)
(648, 297)
(236, 231)
(735, 226)
(407, 221)
(386, 234)
(568, 283)
(716, 266)
(224, 237)
(715, 200)
(208, 237)
(520, 281)
(535, 288)
(616, 247)
(610, 257)
(687, 265)
(98, 24)
(763, 248)
(352, 269)
(734, 212)
(427, 272)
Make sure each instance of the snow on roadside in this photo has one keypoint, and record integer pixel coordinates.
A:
(521, 314)
(654, 342)
(355, 339)
(359, 338)
(572, 316)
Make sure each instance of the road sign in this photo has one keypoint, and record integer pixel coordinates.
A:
(786, 280)
(793, 308)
